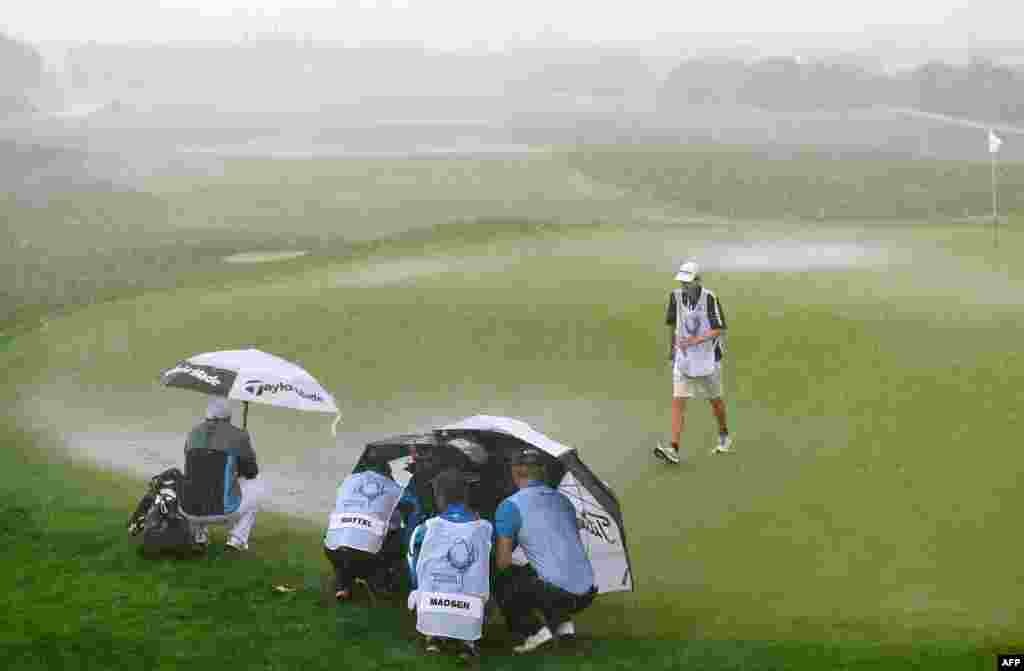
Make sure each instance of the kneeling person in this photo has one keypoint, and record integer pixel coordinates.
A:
(363, 540)
(449, 559)
(222, 483)
(559, 579)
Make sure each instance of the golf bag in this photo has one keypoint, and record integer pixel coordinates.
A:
(158, 517)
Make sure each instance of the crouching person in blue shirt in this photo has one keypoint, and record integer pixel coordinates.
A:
(363, 538)
(449, 559)
(559, 580)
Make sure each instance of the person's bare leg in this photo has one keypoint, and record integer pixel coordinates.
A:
(718, 408)
(678, 420)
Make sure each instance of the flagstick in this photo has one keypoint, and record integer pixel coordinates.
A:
(995, 211)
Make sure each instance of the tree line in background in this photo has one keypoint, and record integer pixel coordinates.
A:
(980, 90)
(21, 72)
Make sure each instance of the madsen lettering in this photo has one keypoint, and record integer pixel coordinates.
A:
(440, 602)
(197, 373)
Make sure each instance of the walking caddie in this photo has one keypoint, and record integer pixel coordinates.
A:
(696, 324)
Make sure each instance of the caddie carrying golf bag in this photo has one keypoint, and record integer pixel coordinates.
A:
(158, 517)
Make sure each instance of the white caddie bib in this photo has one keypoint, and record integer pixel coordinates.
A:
(363, 512)
(453, 574)
(695, 360)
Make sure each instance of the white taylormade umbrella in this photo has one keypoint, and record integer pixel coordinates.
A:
(252, 376)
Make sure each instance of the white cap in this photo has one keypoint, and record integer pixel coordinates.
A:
(218, 408)
(688, 271)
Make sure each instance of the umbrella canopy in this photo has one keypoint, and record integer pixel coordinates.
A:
(599, 516)
(250, 376)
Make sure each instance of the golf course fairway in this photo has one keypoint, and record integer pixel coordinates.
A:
(870, 381)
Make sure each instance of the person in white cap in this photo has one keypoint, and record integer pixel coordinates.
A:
(696, 322)
(222, 484)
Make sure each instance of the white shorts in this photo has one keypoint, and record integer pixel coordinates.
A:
(253, 494)
(241, 521)
(708, 386)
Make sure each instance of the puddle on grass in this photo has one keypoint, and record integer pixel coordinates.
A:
(264, 257)
(792, 255)
(301, 464)
(398, 271)
(394, 271)
(302, 485)
(795, 256)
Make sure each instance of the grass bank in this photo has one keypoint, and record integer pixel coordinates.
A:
(77, 596)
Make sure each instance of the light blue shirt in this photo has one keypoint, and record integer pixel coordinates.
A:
(542, 521)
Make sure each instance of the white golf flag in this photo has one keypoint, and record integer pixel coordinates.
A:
(994, 142)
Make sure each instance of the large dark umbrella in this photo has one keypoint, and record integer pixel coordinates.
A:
(483, 445)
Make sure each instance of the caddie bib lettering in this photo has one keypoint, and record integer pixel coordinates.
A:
(463, 605)
(357, 521)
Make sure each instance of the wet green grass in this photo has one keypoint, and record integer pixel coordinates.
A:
(851, 399)
(77, 595)
(867, 516)
(750, 183)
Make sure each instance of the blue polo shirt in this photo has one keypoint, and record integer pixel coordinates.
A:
(542, 521)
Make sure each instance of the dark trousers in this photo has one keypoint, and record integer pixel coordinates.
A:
(520, 591)
(381, 571)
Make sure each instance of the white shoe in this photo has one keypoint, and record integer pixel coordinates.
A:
(724, 445)
(531, 643)
(667, 453)
(567, 628)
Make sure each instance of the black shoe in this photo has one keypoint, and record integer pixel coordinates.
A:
(469, 652)
(432, 645)
(385, 584)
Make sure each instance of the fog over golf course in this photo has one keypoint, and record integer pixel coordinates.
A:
(510, 251)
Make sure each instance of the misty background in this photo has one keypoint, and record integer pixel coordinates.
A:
(97, 99)
(119, 91)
